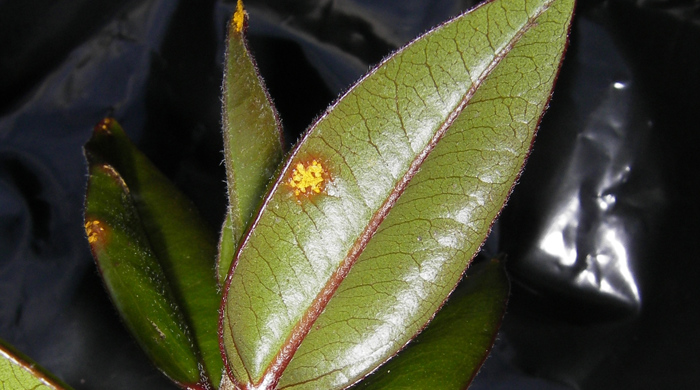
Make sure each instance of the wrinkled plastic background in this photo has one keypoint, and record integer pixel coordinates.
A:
(601, 234)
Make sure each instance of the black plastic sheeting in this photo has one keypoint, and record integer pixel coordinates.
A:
(601, 233)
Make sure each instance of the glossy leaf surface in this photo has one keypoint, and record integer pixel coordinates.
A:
(449, 352)
(17, 372)
(252, 138)
(156, 256)
(383, 203)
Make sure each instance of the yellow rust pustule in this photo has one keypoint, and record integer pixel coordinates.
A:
(308, 178)
(104, 126)
(94, 230)
(239, 17)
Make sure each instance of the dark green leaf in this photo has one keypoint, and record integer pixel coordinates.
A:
(156, 256)
(386, 199)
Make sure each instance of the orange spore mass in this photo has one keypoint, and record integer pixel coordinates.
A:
(308, 178)
(95, 231)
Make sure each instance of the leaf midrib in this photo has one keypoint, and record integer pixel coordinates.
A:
(274, 371)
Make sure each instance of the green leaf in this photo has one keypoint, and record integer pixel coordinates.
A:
(252, 138)
(18, 372)
(449, 352)
(383, 203)
(156, 256)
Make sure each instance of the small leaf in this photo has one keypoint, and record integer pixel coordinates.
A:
(382, 204)
(252, 138)
(156, 256)
(449, 352)
(18, 372)
(133, 276)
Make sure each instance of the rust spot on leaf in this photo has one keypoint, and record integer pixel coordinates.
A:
(95, 230)
(239, 17)
(104, 126)
(308, 178)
